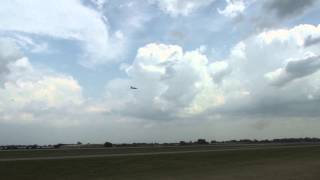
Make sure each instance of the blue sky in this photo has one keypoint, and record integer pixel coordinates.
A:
(216, 69)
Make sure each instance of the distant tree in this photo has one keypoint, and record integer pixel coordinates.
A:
(245, 141)
(57, 145)
(213, 142)
(182, 143)
(202, 141)
(35, 146)
(12, 147)
(107, 144)
(79, 143)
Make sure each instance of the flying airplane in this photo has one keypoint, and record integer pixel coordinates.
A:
(132, 87)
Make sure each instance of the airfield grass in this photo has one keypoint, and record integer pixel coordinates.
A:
(117, 150)
(301, 163)
(120, 150)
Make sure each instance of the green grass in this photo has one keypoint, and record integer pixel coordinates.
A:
(285, 163)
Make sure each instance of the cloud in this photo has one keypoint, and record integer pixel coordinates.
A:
(171, 83)
(278, 72)
(29, 44)
(219, 70)
(233, 8)
(34, 94)
(99, 3)
(273, 14)
(310, 41)
(64, 20)
(294, 69)
(9, 53)
(267, 85)
(27, 84)
(181, 7)
(288, 8)
(176, 84)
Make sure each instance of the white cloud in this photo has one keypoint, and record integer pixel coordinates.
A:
(63, 19)
(276, 71)
(9, 52)
(233, 8)
(294, 69)
(30, 45)
(99, 3)
(181, 7)
(27, 85)
(31, 94)
(269, 50)
(219, 69)
(171, 83)
(175, 84)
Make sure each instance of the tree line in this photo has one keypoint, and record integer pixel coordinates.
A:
(181, 143)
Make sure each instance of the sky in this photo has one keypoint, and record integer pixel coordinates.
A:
(213, 69)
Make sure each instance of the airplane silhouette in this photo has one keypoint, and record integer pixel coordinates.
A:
(132, 87)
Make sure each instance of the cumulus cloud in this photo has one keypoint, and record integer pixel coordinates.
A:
(28, 91)
(27, 84)
(294, 69)
(310, 41)
(171, 83)
(9, 53)
(175, 84)
(181, 7)
(219, 69)
(66, 20)
(278, 72)
(233, 8)
(288, 8)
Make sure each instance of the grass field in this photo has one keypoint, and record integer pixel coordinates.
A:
(119, 150)
(299, 163)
